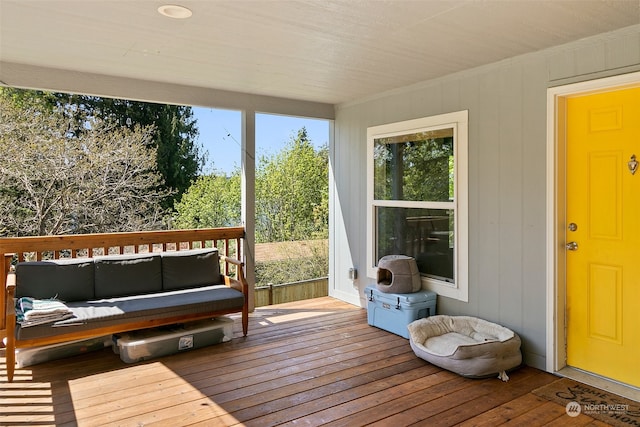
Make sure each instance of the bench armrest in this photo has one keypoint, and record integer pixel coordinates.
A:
(231, 260)
(241, 283)
(10, 293)
(10, 307)
(240, 280)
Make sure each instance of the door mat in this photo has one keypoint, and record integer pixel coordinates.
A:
(602, 405)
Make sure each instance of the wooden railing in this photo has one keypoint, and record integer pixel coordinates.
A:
(228, 240)
(289, 292)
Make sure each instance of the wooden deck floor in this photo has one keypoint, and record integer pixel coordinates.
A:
(314, 362)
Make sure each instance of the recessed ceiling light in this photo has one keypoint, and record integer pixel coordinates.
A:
(175, 11)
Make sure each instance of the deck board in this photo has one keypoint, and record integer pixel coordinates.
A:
(313, 362)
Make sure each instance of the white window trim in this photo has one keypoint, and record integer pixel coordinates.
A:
(459, 121)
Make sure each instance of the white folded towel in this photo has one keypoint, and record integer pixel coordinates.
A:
(31, 311)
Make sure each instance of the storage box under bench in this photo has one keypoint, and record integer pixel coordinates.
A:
(29, 356)
(151, 343)
(393, 312)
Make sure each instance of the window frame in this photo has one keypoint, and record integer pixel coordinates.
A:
(459, 121)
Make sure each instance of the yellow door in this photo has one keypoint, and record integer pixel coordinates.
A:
(603, 234)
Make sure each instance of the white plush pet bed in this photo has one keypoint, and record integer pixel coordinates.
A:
(468, 346)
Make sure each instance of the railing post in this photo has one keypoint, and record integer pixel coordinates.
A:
(270, 293)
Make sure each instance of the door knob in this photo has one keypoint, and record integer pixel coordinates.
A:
(572, 246)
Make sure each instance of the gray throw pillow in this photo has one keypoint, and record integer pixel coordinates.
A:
(125, 275)
(65, 279)
(190, 269)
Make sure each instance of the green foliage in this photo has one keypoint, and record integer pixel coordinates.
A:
(429, 176)
(420, 170)
(53, 181)
(292, 204)
(413, 167)
(212, 201)
(174, 130)
(292, 196)
(292, 193)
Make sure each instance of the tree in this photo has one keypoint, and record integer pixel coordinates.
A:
(175, 131)
(292, 196)
(212, 201)
(292, 203)
(53, 181)
(415, 167)
(292, 193)
(414, 170)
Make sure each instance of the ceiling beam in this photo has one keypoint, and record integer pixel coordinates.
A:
(59, 80)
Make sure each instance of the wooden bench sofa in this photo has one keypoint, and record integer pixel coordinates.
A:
(121, 281)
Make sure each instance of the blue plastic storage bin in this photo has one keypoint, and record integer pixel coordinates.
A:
(393, 312)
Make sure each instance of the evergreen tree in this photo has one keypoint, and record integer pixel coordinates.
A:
(54, 181)
(174, 130)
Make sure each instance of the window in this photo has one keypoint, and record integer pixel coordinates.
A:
(417, 198)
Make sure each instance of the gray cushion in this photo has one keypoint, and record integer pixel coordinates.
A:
(116, 311)
(65, 279)
(125, 275)
(189, 269)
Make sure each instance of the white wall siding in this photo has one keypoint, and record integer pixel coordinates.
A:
(346, 209)
(507, 172)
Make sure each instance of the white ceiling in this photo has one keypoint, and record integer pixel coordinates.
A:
(328, 51)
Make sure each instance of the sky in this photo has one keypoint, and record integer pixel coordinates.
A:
(220, 135)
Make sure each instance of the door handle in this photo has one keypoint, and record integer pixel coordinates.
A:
(572, 246)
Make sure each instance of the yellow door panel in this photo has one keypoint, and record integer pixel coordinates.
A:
(604, 294)
(603, 200)
(604, 214)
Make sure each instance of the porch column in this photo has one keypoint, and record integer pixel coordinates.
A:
(249, 198)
